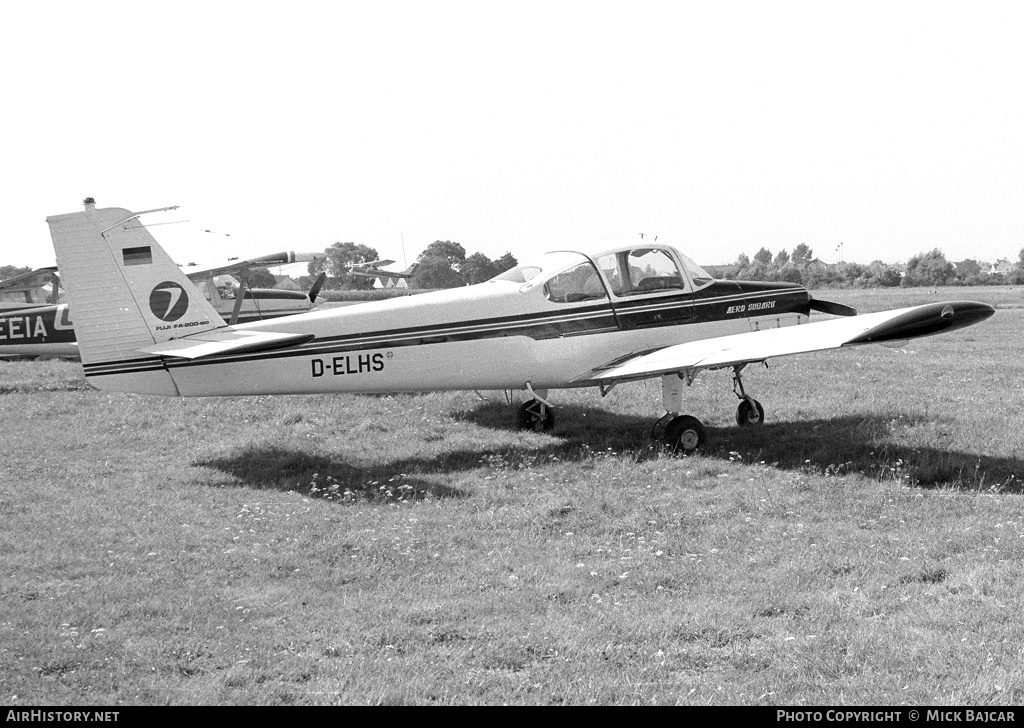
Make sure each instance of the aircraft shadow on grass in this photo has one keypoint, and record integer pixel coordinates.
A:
(867, 444)
(279, 468)
(873, 444)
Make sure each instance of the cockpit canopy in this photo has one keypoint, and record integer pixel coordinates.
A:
(569, 277)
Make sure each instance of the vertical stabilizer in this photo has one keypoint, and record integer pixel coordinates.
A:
(125, 292)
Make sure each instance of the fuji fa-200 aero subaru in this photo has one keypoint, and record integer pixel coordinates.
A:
(571, 318)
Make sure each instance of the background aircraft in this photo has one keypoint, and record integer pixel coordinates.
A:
(228, 289)
(590, 318)
(29, 290)
(373, 275)
(35, 321)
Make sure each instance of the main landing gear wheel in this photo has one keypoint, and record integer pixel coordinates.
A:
(535, 415)
(684, 434)
(750, 412)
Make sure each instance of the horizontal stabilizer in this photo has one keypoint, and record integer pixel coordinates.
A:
(873, 328)
(225, 341)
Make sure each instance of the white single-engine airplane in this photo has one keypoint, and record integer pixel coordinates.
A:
(569, 319)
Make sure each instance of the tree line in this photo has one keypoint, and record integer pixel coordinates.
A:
(10, 271)
(924, 269)
(443, 264)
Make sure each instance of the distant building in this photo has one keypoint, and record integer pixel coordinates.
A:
(1003, 265)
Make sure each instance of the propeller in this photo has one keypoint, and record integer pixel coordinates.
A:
(314, 290)
(836, 309)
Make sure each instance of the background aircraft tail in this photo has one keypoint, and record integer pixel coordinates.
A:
(125, 292)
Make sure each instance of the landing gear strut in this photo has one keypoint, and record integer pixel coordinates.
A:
(750, 412)
(680, 433)
(685, 434)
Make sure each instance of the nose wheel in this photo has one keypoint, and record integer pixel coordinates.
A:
(750, 412)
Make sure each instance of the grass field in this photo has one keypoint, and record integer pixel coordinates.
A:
(863, 547)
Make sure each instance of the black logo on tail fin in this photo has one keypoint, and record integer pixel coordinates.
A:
(168, 301)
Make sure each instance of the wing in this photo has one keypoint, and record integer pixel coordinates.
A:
(38, 277)
(263, 261)
(873, 328)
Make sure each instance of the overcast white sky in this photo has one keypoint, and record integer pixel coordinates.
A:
(892, 127)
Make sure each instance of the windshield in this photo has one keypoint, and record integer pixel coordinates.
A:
(698, 276)
(519, 274)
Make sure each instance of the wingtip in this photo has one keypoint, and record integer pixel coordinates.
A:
(926, 320)
(966, 312)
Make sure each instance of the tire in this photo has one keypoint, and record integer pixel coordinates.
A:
(748, 414)
(685, 434)
(529, 417)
